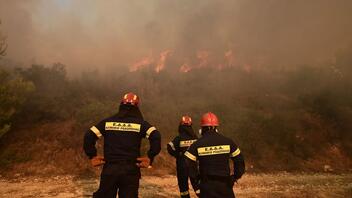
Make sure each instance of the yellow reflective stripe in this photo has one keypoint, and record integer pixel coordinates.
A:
(236, 152)
(190, 156)
(172, 146)
(184, 193)
(96, 131)
(149, 131)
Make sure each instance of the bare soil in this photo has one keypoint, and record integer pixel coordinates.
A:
(251, 185)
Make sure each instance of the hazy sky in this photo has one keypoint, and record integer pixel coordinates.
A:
(117, 33)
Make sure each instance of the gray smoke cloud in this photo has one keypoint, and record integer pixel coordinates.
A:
(114, 34)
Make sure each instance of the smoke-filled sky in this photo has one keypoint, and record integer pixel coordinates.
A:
(118, 33)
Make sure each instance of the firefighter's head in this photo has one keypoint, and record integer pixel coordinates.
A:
(209, 122)
(186, 126)
(186, 120)
(130, 99)
(129, 106)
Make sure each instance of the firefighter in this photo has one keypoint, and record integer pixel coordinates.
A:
(122, 134)
(212, 151)
(177, 147)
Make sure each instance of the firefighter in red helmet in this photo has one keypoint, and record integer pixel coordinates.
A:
(122, 134)
(211, 154)
(177, 147)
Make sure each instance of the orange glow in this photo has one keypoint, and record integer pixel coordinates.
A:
(185, 68)
(162, 59)
(247, 68)
(141, 64)
(202, 59)
(230, 58)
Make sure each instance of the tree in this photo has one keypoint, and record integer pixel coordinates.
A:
(3, 45)
(13, 93)
(50, 99)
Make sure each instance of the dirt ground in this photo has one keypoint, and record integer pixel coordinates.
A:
(251, 185)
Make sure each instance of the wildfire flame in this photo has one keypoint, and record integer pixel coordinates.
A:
(162, 59)
(229, 59)
(150, 60)
(202, 59)
(185, 68)
(141, 64)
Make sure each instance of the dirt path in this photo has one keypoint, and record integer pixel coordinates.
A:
(261, 185)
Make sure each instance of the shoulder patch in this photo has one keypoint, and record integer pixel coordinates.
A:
(186, 143)
(121, 126)
(213, 150)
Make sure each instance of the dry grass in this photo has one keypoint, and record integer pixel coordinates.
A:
(261, 185)
(55, 148)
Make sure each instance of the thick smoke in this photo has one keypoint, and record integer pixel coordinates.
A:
(116, 34)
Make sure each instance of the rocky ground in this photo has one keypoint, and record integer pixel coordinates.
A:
(251, 185)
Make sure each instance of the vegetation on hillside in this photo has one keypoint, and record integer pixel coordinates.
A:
(283, 119)
(13, 92)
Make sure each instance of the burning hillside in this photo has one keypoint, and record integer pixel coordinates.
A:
(201, 59)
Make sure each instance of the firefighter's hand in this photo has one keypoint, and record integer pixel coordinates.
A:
(97, 161)
(143, 162)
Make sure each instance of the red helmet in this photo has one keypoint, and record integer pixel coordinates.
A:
(130, 98)
(186, 120)
(209, 119)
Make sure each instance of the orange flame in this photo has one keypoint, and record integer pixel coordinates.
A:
(185, 68)
(202, 59)
(162, 59)
(142, 64)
